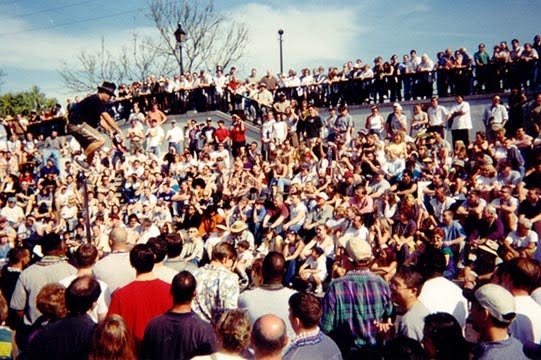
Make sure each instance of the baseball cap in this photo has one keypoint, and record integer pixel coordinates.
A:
(498, 301)
(323, 196)
(358, 250)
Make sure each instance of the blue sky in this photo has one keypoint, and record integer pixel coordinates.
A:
(36, 36)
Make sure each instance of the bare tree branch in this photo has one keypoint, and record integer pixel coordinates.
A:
(93, 69)
(212, 38)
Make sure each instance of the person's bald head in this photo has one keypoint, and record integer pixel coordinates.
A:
(118, 238)
(269, 335)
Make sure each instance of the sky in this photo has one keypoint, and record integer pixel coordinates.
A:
(37, 36)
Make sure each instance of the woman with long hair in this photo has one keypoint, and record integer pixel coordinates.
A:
(293, 246)
(112, 341)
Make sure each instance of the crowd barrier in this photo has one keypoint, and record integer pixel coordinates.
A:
(491, 78)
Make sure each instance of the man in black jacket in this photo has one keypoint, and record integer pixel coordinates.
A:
(87, 115)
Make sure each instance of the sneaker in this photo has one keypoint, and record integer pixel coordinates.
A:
(319, 289)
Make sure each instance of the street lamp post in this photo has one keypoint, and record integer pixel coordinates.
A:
(180, 36)
(281, 35)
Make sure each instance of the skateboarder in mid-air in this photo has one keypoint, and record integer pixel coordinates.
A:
(87, 115)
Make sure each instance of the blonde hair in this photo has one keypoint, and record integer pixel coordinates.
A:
(233, 329)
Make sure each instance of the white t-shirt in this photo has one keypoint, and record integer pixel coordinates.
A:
(12, 214)
(155, 136)
(175, 135)
(279, 131)
(536, 295)
(462, 121)
(441, 295)
(440, 208)
(521, 242)
(437, 116)
(497, 113)
(527, 324)
(103, 301)
(376, 122)
(295, 210)
(361, 233)
(267, 130)
(319, 264)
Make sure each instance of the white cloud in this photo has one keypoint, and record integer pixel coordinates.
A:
(312, 35)
(46, 50)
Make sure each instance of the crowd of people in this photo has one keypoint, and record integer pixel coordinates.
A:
(332, 241)
(411, 76)
(324, 239)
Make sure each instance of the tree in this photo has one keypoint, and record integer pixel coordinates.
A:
(93, 69)
(136, 61)
(142, 60)
(212, 38)
(24, 102)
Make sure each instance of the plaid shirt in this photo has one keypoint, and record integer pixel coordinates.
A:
(351, 305)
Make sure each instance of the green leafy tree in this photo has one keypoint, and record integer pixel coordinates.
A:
(24, 102)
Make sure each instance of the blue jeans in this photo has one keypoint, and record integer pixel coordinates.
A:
(154, 150)
(176, 146)
(282, 183)
(53, 154)
(291, 271)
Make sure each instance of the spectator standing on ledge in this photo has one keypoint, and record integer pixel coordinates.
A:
(494, 117)
(460, 121)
